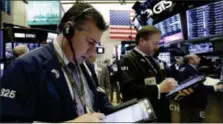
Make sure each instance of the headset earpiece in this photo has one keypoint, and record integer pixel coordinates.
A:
(68, 30)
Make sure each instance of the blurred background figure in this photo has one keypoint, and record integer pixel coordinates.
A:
(103, 75)
(20, 50)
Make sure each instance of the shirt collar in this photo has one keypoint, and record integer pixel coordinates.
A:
(60, 51)
(140, 52)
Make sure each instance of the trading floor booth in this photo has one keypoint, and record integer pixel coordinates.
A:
(32, 38)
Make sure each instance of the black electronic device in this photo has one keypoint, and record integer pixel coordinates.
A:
(8, 50)
(100, 50)
(171, 29)
(192, 82)
(133, 111)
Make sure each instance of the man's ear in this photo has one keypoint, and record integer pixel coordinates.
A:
(141, 41)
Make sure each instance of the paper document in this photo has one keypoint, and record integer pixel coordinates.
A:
(211, 81)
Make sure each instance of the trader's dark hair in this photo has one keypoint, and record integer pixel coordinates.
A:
(145, 33)
(78, 15)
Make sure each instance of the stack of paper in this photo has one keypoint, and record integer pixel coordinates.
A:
(211, 81)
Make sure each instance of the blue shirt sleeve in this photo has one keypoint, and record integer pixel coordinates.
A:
(17, 98)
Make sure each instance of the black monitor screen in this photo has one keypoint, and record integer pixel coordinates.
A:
(205, 20)
(165, 56)
(201, 48)
(1, 44)
(51, 37)
(1, 69)
(8, 50)
(171, 29)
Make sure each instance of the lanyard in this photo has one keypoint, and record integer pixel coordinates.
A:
(80, 91)
(148, 61)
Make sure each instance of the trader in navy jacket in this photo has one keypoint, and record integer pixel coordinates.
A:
(49, 84)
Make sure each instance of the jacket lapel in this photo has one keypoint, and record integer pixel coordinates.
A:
(55, 74)
(144, 65)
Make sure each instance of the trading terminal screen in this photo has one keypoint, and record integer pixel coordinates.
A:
(201, 48)
(205, 20)
(165, 56)
(171, 29)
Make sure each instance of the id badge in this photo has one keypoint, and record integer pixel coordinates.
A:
(150, 81)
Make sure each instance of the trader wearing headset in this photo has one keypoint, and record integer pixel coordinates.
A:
(50, 84)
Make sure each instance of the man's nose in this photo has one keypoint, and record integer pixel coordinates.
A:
(92, 50)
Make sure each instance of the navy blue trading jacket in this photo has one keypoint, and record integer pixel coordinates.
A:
(31, 90)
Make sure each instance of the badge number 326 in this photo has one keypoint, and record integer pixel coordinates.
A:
(8, 93)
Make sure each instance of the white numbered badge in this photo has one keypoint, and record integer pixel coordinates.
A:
(150, 81)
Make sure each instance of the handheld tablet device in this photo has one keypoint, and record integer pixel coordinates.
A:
(138, 112)
(190, 83)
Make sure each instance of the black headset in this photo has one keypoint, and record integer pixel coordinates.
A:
(69, 28)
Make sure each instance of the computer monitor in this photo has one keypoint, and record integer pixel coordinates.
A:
(51, 37)
(1, 44)
(165, 56)
(171, 29)
(1, 69)
(201, 48)
(205, 20)
(8, 50)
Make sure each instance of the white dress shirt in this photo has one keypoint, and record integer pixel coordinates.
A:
(88, 93)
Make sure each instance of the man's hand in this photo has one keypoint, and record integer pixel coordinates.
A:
(183, 93)
(167, 85)
(90, 117)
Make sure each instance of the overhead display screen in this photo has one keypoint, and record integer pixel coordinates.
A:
(43, 12)
(205, 20)
(171, 29)
(201, 48)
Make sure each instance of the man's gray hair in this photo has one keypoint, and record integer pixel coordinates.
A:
(188, 57)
